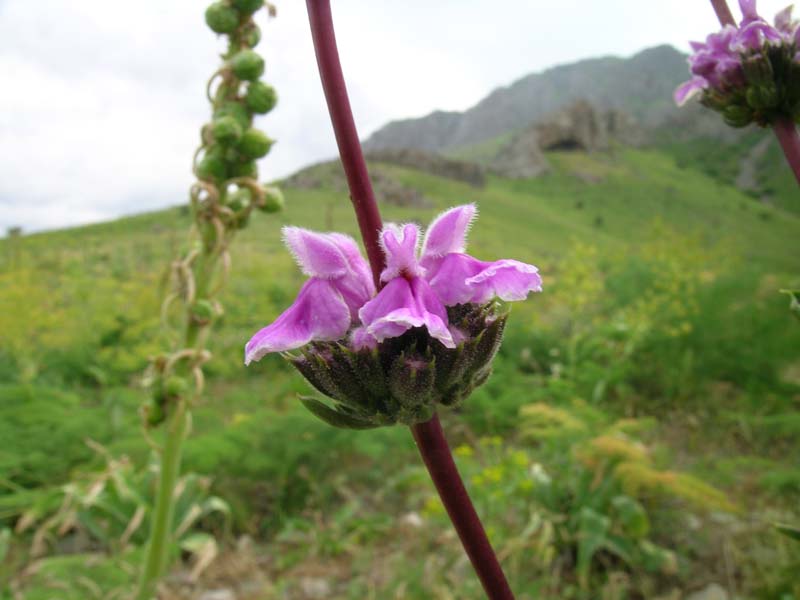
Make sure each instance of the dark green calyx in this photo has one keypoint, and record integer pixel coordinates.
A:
(222, 18)
(254, 144)
(235, 110)
(247, 65)
(405, 379)
(226, 129)
(272, 200)
(248, 7)
(239, 202)
(765, 90)
(260, 98)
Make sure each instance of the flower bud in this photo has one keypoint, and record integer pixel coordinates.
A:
(272, 200)
(235, 110)
(248, 7)
(202, 311)
(222, 18)
(212, 166)
(226, 129)
(254, 144)
(261, 98)
(247, 65)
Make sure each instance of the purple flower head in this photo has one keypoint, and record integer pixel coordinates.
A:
(417, 291)
(426, 338)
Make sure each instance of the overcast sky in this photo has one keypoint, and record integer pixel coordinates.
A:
(101, 101)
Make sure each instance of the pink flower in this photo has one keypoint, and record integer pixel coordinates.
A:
(339, 297)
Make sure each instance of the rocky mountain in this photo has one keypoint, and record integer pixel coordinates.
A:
(640, 86)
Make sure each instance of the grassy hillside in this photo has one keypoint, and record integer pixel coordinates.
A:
(660, 345)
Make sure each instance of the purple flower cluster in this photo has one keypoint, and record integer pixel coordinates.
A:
(718, 65)
(339, 300)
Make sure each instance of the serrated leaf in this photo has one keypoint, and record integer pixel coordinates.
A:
(334, 417)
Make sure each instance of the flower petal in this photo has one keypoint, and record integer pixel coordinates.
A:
(402, 305)
(399, 244)
(689, 89)
(448, 232)
(318, 314)
(783, 20)
(461, 279)
(318, 254)
(748, 8)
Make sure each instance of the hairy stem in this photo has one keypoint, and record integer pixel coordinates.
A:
(355, 168)
(158, 546)
(439, 461)
(429, 436)
(785, 130)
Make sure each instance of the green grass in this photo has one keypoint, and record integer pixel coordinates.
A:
(660, 301)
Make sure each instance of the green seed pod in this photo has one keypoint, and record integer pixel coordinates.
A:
(226, 130)
(248, 7)
(222, 18)
(247, 65)
(245, 169)
(212, 167)
(154, 413)
(253, 35)
(738, 116)
(273, 200)
(175, 387)
(202, 311)
(254, 144)
(239, 200)
(261, 98)
(235, 110)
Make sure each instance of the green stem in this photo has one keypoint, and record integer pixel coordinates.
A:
(158, 546)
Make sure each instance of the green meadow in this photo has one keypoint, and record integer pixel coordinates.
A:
(637, 439)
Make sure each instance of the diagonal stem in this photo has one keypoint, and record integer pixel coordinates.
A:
(429, 436)
(439, 461)
(785, 130)
(344, 127)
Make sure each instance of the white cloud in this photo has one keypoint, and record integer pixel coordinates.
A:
(102, 101)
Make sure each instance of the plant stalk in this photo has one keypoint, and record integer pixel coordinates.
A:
(443, 471)
(429, 436)
(785, 130)
(158, 546)
(344, 128)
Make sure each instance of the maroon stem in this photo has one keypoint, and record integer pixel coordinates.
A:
(785, 130)
(429, 436)
(355, 168)
(439, 461)
(723, 12)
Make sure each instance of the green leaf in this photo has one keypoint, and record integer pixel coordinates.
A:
(790, 531)
(5, 542)
(632, 516)
(334, 417)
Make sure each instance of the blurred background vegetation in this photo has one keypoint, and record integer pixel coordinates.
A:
(638, 438)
